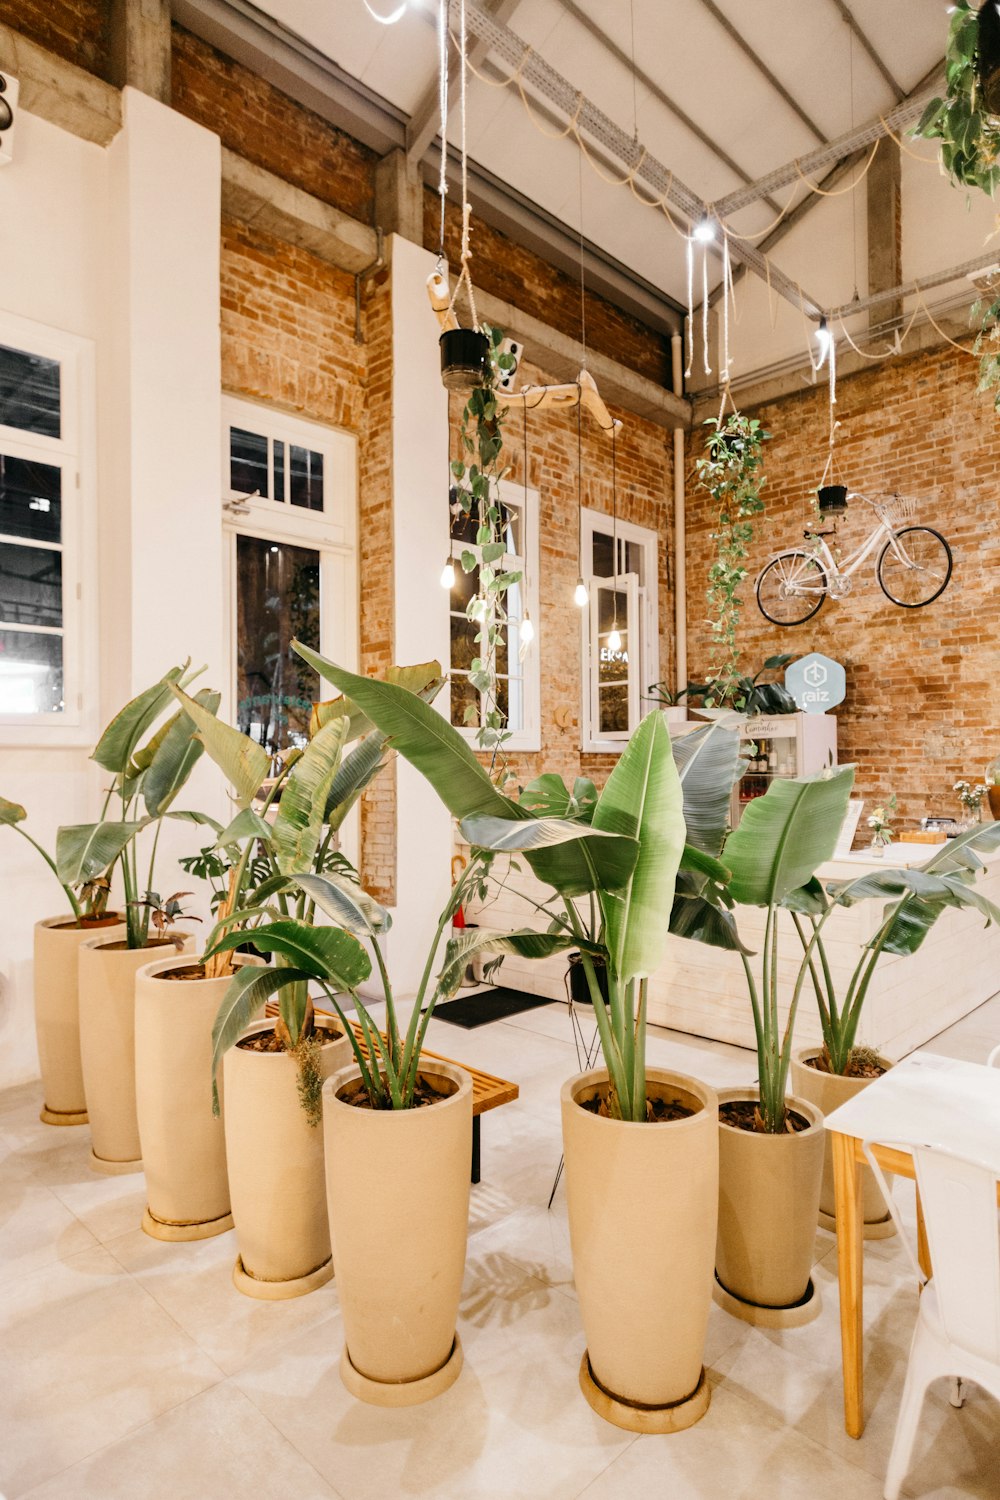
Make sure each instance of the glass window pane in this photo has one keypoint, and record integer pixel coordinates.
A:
(31, 673)
(29, 392)
(462, 695)
(247, 462)
(635, 557)
(501, 653)
(30, 585)
(277, 601)
(279, 471)
(463, 642)
(306, 478)
(613, 703)
(30, 504)
(513, 529)
(603, 555)
(463, 527)
(606, 607)
(465, 585)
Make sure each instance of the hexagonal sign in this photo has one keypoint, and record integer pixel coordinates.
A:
(817, 683)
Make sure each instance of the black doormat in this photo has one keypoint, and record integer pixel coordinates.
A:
(494, 1004)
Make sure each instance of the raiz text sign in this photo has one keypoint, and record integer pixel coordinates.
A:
(817, 683)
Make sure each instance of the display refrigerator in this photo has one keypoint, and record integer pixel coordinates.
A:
(782, 745)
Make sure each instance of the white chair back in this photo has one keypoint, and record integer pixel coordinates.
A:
(959, 1199)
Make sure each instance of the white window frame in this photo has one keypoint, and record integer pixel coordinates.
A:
(529, 736)
(75, 453)
(646, 606)
(332, 532)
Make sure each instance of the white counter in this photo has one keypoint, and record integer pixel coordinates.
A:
(702, 990)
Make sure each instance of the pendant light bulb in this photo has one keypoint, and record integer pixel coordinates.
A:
(823, 337)
(704, 230)
(615, 640)
(580, 595)
(448, 575)
(527, 630)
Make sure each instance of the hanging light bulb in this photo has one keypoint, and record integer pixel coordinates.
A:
(823, 336)
(615, 640)
(448, 574)
(704, 230)
(527, 630)
(580, 595)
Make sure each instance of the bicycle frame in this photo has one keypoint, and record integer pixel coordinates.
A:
(837, 574)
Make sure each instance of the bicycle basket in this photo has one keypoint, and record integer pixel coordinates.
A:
(898, 510)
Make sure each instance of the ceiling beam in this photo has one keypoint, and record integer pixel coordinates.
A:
(425, 121)
(862, 36)
(762, 67)
(921, 284)
(580, 16)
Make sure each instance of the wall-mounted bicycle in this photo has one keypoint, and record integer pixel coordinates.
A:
(913, 567)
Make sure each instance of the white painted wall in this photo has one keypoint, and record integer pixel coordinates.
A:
(420, 522)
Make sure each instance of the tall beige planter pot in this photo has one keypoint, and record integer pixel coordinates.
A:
(275, 1159)
(57, 1014)
(398, 1194)
(107, 1046)
(828, 1091)
(768, 1201)
(183, 1143)
(643, 1206)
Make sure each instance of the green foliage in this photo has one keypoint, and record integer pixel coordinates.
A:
(731, 472)
(309, 1080)
(969, 134)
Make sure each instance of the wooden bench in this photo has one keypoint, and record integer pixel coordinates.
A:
(488, 1092)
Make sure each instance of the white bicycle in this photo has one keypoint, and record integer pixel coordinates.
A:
(913, 568)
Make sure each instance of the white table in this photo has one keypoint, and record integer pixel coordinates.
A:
(935, 1099)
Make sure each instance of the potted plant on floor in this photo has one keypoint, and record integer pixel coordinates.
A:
(830, 1075)
(147, 779)
(273, 1070)
(770, 1147)
(57, 1005)
(641, 1143)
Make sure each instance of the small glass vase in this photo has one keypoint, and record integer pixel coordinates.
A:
(971, 818)
(876, 849)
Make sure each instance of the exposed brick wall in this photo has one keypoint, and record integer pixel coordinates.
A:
(288, 338)
(645, 481)
(78, 30)
(518, 276)
(922, 707)
(264, 125)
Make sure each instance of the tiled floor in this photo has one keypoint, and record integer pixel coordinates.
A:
(132, 1369)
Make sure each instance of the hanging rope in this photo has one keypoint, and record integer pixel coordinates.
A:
(465, 275)
(443, 127)
(614, 529)
(689, 320)
(837, 192)
(704, 311)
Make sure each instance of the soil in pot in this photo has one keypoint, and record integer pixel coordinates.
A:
(661, 1106)
(425, 1093)
(744, 1114)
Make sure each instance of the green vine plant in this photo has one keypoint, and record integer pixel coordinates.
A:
(476, 487)
(731, 472)
(968, 132)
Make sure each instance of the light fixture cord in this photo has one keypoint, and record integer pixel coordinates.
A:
(443, 127)
(579, 476)
(583, 299)
(614, 524)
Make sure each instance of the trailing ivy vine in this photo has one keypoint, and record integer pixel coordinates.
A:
(476, 488)
(731, 472)
(969, 134)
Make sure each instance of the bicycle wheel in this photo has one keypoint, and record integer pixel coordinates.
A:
(919, 572)
(791, 588)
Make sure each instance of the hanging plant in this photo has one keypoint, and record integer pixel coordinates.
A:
(965, 120)
(731, 472)
(987, 346)
(477, 490)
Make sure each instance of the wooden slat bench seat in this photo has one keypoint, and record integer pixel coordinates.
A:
(488, 1091)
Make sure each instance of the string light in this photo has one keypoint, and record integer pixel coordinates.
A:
(614, 639)
(580, 595)
(704, 230)
(448, 574)
(823, 336)
(527, 630)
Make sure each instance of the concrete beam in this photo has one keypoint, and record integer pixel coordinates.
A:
(399, 197)
(885, 232)
(60, 92)
(140, 46)
(561, 356)
(259, 198)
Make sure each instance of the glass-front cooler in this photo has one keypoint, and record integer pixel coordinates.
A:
(786, 745)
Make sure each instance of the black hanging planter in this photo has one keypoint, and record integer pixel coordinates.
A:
(465, 359)
(579, 989)
(832, 499)
(988, 57)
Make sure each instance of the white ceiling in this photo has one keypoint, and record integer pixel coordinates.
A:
(689, 57)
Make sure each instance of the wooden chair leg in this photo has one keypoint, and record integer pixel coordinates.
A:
(850, 1252)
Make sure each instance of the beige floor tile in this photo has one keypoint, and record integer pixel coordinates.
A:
(193, 1283)
(36, 1229)
(108, 1206)
(216, 1444)
(86, 1356)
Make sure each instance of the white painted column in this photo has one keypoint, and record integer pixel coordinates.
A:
(420, 542)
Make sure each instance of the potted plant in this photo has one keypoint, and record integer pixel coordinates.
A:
(830, 1075)
(964, 118)
(57, 1005)
(747, 695)
(673, 710)
(770, 1147)
(147, 779)
(880, 822)
(641, 1143)
(273, 1071)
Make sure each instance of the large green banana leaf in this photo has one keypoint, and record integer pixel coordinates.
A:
(85, 850)
(784, 835)
(248, 992)
(424, 737)
(460, 951)
(549, 797)
(571, 857)
(643, 799)
(708, 763)
(346, 903)
(246, 825)
(357, 769)
(424, 679)
(175, 756)
(116, 747)
(11, 812)
(704, 921)
(298, 826)
(241, 760)
(321, 952)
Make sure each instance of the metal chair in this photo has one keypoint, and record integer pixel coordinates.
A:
(958, 1322)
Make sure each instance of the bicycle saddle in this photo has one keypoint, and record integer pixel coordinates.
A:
(808, 534)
